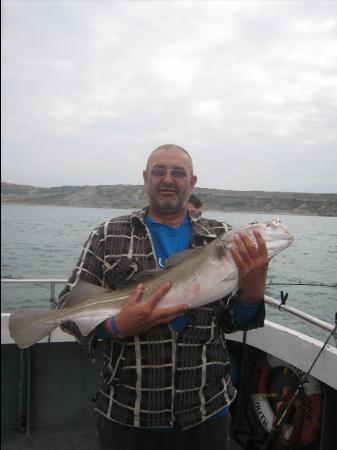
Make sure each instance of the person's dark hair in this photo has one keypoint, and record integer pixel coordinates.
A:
(195, 201)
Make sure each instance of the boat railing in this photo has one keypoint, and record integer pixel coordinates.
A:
(26, 379)
(280, 305)
(52, 282)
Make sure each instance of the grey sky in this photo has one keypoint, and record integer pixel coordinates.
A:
(249, 88)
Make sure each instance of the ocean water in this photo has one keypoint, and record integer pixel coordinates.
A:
(44, 242)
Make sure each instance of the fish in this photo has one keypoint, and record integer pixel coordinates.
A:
(198, 277)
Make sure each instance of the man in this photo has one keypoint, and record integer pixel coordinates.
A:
(165, 381)
(194, 205)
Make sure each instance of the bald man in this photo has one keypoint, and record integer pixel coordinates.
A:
(165, 382)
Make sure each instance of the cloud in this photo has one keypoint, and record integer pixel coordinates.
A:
(249, 88)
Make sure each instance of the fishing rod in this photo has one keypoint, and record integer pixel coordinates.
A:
(271, 283)
(303, 380)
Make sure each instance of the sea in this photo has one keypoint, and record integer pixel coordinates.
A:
(45, 242)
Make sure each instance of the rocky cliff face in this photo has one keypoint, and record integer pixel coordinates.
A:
(133, 196)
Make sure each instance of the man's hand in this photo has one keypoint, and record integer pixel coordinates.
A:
(252, 262)
(135, 318)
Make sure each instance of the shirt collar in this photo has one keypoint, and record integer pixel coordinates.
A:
(200, 227)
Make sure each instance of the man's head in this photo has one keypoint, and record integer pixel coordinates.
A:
(169, 179)
(194, 205)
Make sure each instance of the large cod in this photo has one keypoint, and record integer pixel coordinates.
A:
(198, 277)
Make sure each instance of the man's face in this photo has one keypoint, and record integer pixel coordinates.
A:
(169, 181)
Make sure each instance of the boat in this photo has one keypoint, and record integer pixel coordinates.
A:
(286, 382)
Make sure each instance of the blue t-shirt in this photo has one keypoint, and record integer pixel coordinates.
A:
(168, 241)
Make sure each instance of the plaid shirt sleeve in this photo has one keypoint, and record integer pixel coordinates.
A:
(89, 268)
(226, 315)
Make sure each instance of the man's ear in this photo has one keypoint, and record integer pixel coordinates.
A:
(194, 180)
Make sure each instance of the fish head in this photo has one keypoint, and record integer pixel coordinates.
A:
(274, 232)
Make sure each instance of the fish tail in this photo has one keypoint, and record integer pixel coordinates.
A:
(26, 326)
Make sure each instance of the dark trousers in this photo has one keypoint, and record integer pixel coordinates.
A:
(210, 435)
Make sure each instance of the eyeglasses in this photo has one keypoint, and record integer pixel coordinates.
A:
(176, 172)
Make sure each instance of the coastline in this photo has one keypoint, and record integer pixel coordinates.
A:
(302, 213)
(134, 197)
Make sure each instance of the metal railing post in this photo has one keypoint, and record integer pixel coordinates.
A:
(28, 393)
(52, 295)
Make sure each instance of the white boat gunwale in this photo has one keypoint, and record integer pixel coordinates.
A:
(272, 338)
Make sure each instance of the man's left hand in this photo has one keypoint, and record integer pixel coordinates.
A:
(252, 262)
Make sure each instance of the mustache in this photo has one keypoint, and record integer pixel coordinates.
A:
(167, 187)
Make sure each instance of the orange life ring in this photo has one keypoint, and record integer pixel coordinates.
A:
(312, 403)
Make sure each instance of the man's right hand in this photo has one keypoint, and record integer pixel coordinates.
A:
(135, 318)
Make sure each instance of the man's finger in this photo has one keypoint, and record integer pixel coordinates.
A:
(170, 311)
(261, 243)
(237, 258)
(136, 293)
(158, 295)
(248, 244)
(241, 249)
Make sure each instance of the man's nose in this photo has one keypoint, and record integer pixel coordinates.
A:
(168, 178)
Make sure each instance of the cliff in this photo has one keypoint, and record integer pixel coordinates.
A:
(134, 196)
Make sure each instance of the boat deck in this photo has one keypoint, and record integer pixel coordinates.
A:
(67, 436)
(48, 392)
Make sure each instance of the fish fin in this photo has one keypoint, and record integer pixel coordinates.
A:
(82, 291)
(143, 276)
(179, 257)
(86, 325)
(147, 275)
(26, 327)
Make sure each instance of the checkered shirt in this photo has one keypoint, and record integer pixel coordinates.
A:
(160, 378)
